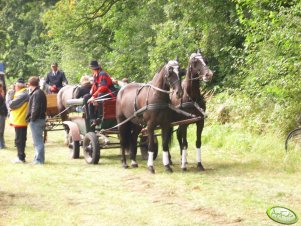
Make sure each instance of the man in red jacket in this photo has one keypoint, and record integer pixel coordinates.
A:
(102, 87)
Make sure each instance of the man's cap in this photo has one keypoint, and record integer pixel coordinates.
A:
(94, 65)
(20, 80)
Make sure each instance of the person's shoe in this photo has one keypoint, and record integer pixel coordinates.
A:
(37, 163)
(95, 122)
(17, 161)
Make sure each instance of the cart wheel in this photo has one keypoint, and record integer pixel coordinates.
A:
(144, 147)
(73, 147)
(91, 148)
(45, 136)
(293, 140)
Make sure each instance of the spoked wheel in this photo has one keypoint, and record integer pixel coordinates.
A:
(293, 140)
(91, 148)
(144, 147)
(73, 147)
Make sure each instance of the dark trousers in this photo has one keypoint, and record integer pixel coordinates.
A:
(20, 141)
(91, 110)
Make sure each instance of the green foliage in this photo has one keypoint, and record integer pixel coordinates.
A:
(22, 47)
(253, 46)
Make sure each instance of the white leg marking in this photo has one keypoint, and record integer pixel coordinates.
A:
(184, 158)
(165, 158)
(150, 161)
(198, 154)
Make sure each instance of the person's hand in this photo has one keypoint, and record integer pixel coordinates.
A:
(53, 88)
(91, 99)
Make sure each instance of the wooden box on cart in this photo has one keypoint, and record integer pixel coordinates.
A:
(52, 109)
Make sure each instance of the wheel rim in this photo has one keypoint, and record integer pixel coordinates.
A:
(70, 143)
(293, 142)
(88, 151)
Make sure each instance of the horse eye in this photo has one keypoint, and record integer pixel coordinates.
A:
(170, 69)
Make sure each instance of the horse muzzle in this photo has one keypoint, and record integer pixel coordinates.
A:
(179, 93)
(208, 76)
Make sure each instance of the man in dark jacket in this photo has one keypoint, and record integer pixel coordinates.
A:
(55, 79)
(3, 114)
(102, 87)
(36, 115)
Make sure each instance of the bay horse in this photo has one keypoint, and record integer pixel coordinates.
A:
(193, 102)
(139, 105)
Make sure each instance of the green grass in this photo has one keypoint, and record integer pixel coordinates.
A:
(245, 175)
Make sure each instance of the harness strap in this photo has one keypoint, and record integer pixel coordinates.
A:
(191, 105)
(158, 89)
(185, 105)
(179, 111)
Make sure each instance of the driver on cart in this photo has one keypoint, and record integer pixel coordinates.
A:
(55, 79)
(102, 87)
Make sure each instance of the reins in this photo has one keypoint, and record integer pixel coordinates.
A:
(151, 107)
(157, 88)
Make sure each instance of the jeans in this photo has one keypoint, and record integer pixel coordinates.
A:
(37, 128)
(20, 141)
(2, 127)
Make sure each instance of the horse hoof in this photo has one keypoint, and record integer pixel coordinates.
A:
(125, 166)
(168, 169)
(134, 165)
(200, 167)
(184, 169)
(151, 169)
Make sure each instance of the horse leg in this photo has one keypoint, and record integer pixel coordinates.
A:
(166, 137)
(133, 145)
(179, 138)
(64, 116)
(200, 126)
(151, 148)
(124, 133)
(184, 147)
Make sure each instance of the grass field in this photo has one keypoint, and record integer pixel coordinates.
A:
(245, 175)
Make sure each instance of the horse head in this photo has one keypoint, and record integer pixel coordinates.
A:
(198, 67)
(172, 77)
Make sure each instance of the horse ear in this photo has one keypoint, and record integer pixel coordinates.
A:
(198, 51)
(177, 59)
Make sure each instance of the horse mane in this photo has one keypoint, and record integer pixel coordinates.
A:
(160, 68)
